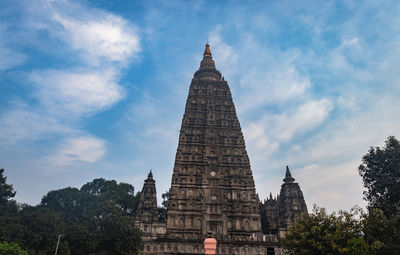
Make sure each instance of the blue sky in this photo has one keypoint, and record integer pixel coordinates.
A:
(95, 88)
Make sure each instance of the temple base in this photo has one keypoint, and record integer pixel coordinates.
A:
(164, 246)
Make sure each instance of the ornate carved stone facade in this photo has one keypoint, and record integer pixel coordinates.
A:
(212, 187)
(283, 211)
(147, 214)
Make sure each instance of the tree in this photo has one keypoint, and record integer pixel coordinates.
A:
(122, 194)
(380, 172)
(165, 197)
(98, 217)
(321, 233)
(41, 229)
(162, 211)
(70, 202)
(382, 232)
(6, 190)
(121, 235)
(11, 249)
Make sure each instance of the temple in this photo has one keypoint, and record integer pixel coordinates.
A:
(212, 186)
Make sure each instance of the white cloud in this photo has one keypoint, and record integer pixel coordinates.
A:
(317, 107)
(274, 86)
(21, 123)
(82, 149)
(10, 58)
(307, 117)
(77, 92)
(225, 53)
(108, 36)
(99, 45)
(262, 76)
(336, 186)
(266, 134)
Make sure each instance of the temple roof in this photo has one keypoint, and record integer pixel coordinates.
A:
(207, 70)
(207, 51)
(288, 176)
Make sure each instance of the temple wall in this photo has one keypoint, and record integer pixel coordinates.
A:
(169, 247)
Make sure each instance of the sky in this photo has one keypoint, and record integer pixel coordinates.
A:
(97, 88)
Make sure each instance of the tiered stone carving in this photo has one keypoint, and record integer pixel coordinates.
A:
(286, 209)
(291, 201)
(212, 186)
(147, 214)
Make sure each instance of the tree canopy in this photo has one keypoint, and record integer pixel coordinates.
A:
(95, 219)
(321, 233)
(11, 249)
(380, 171)
(375, 232)
(6, 190)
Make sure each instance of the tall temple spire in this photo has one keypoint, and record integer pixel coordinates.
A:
(207, 70)
(212, 187)
(207, 51)
(288, 177)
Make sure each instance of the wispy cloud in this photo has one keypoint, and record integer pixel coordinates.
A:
(21, 123)
(99, 37)
(10, 58)
(87, 149)
(99, 45)
(76, 92)
(267, 133)
(317, 107)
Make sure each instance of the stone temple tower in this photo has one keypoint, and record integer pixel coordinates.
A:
(291, 201)
(286, 209)
(147, 214)
(212, 187)
(147, 205)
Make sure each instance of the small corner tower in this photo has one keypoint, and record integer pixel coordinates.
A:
(291, 201)
(147, 206)
(147, 214)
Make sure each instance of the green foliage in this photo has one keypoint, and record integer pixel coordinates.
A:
(321, 233)
(380, 172)
(41, 229)
(376, 232)
(96, 219)
(162, 211)
(165, 197)
(122, 237)
(382, 232)
(11, 249)
(122, 194)
(6, 190)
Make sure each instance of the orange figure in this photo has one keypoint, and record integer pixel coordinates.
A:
(210, 246)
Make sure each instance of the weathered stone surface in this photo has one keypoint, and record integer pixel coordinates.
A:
(146, 214)
(212, 186)
(281, 212)
(291, 201)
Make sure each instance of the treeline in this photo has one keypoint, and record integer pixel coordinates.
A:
(96, 219)
(375, 232)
